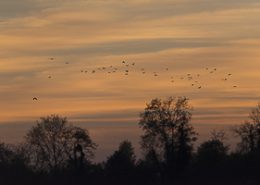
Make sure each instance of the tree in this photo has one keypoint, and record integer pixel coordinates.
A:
(55, 144)
(167, 130)
(249, 132)
(122, 159)
(120, 165)
(149, 168)
(6, 154)
(212, 152)
(13, 164)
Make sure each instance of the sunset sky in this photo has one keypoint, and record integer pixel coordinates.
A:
(183, 36)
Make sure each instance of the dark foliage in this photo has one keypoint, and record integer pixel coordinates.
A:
(168, 133)
(121, 164)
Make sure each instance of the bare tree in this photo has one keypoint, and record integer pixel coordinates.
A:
(249, 132)
(54, 144)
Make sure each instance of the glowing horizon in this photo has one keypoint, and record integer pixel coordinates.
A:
(185, 36)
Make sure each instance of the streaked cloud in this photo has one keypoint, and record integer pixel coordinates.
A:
(185, 36)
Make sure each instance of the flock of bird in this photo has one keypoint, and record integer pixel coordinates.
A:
(127, 67)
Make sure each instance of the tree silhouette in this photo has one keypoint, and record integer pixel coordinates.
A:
(249, 132)
(211, 153)
(167, 130)
(121, 163)
(6, 154)
(150, 168)
(54, 144)
(123, 158)
(13, 164)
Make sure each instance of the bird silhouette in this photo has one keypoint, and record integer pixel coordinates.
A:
(35, 99)
(195, 79)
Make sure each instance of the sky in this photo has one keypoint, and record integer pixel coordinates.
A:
(45, 45)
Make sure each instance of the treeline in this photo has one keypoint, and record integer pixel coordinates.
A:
(56, 152)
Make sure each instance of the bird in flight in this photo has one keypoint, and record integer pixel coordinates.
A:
(35, 99)
(127, 67)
